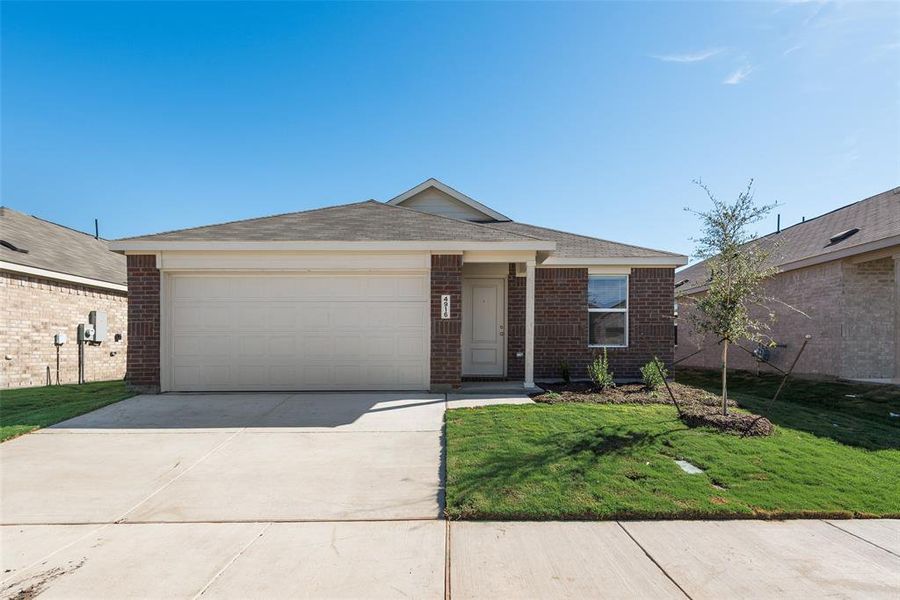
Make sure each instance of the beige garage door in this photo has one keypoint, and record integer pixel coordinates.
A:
(299, 332)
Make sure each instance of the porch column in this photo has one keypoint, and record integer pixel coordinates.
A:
(529, 323)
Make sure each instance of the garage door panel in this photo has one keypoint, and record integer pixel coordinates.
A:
(346, 347)
(410, 346)
(299, 332)
(202, 345)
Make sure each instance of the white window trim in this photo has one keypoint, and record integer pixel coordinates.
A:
(611, 310)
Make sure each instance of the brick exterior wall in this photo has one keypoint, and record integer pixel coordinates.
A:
(868, 306)
(851, 318)
(36, 309)
(515, 325)
(446, 334)
(143, 323)
(561, 323)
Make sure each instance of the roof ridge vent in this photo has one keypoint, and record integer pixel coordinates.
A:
(840, 237)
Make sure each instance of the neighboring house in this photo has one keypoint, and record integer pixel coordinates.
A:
(51, 278)
(420, 292)
(842, 269)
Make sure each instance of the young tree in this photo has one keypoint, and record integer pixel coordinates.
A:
(737, 267)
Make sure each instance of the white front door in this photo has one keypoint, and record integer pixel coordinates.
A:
(484, 324)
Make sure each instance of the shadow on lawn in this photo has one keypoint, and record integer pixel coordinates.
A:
(577, 450)
(849, 413)
(600, 442)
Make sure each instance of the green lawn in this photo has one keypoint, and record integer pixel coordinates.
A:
(27, 409)
(830, 456)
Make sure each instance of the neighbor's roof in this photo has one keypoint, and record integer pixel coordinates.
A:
(57, 248)
(360, 222)
(571, 245)
(877, 220)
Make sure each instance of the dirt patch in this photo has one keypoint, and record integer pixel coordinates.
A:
(34, 586)
(736, 423)
(629, 393)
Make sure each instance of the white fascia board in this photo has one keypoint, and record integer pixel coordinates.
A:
(631, 261)
(151, 246)
(48, 274)
(471, 202)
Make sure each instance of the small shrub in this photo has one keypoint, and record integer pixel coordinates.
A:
(565, 372)
(601, 376)
(653, 374)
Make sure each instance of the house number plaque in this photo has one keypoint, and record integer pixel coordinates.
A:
(445, 306)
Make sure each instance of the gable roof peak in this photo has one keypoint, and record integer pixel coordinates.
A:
(432, 182)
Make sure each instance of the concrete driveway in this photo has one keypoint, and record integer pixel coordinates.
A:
(340, 496)
(232, 457)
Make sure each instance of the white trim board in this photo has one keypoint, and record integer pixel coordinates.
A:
(48, 274)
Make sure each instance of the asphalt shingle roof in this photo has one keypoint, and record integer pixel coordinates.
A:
(377, 221)
(58, 248)
(571, 245)
(876, 218)
(362, 221)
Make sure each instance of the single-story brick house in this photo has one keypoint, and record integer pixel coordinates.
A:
(842, 269)
(422, 291)
(51, 279)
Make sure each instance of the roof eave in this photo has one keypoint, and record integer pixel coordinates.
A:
(817, 259)
(59, 276)
(133, 246)
(649, 261)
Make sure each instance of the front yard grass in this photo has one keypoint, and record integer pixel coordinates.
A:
(830, 456)
(27, 409)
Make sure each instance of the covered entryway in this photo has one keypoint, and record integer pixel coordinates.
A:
(301, 331)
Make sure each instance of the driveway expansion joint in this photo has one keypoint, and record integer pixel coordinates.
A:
(233, 559)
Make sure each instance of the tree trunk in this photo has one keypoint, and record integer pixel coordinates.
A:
(725, 378)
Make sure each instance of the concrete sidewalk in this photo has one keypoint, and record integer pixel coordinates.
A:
(434, 559)
(676, 559)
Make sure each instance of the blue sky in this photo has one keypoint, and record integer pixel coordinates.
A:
(592, 118)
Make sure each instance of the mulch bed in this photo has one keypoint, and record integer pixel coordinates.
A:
(627, 393)
(742, 424)
(699, 407)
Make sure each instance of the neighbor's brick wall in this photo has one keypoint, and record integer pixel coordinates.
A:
(868, 302)
(561, 322)
(143, 323)
(816, 291)
(36, 309)
(446, 342)
(847, 309)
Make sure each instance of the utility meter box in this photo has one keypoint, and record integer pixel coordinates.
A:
(85, 333)
(60, 338)
(97, 318)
